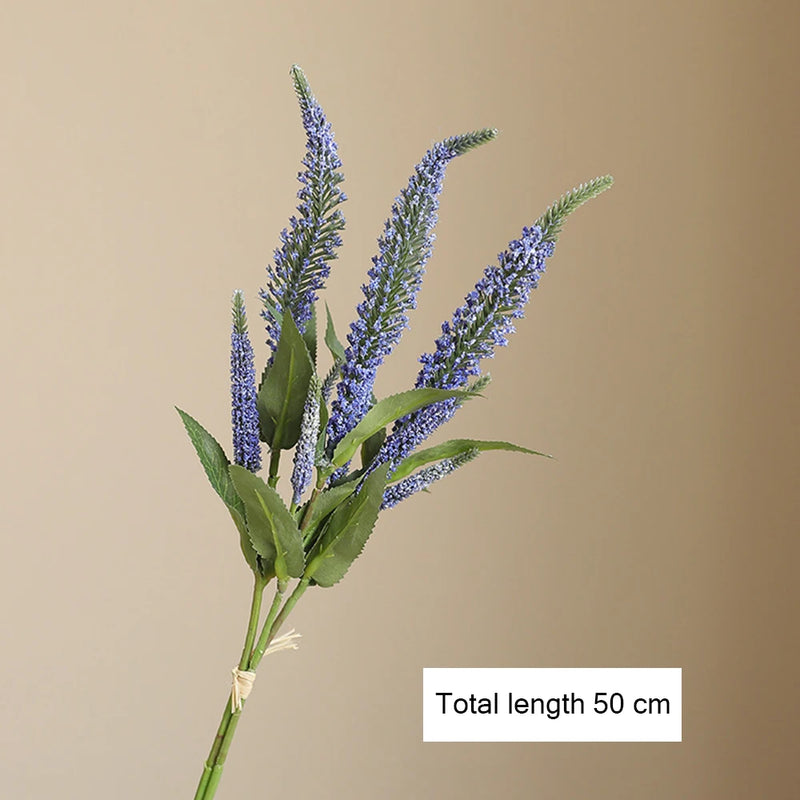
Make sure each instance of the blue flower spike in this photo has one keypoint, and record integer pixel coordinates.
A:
(395, 279)
(244, 417)
(302, 262)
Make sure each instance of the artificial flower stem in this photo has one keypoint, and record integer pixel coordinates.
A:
(274, 462)
(275, 619)
(306, 519)
(267, 635)
(252, 630)
(262, 643)
(208, 768)
(252, 624)
(212, 767)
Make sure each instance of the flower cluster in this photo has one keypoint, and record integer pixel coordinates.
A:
(482, 323)
(244, 416)
(306, 446)
(421, 480)
(301, 262)
(395, 279)
(485, 320)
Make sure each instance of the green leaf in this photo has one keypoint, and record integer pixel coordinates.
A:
(215, 463)
(327, 502)
(385, 411)
(248, 551)
(451, 449)
(371, 447)
(272, 528)
(310, 334)
(323, 432)
(347, 532)
(282, 395)
(334, 345)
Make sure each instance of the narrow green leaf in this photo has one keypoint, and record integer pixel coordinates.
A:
(334, 345)
(327, 502)
(347, 531)
(215, 463)
(272, 309)
(323, 432)
(385, 411)
(248, 551)
(371, 447)
(282, 395)
(272, 528)
(262, 380)
(451, 449)
(310, 334)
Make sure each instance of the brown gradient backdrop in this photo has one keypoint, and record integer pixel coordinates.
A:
(149, 153)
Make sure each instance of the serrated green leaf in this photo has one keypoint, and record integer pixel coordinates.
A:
(215, 463)
(310, 335)
(334, 345)
(323, 432)
(371, 447)
(282, 395)
(326, 503)
(272, 528)
(385, 411)
(451, 449)
(248, 551)
(262, 380)
(273, 310)
(347, 531)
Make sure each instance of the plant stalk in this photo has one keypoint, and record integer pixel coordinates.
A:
(212, 772)
(252, 630)
(274, 463)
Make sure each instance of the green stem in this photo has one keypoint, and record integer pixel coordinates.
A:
(208, 767)
(304, 522)
(274, 462)
(275, 619)
(262, 643)
(307, 512)
(252, 623)
(268, 635)
(252, 629)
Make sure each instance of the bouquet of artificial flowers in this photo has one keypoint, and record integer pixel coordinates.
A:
(354, 455)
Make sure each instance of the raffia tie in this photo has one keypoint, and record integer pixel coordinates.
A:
(243, 679)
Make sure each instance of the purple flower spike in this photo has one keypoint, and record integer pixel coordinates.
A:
(477, 327)
(395, 278)
(421, 480)
(301, 262)
(307, 443)
(244, 417)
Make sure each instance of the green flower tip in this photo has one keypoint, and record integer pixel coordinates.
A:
(468, 141)
(238, 312)
(301, 85)
(553, 219)
(480, 383)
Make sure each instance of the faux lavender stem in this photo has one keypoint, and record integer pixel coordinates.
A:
(244, 417)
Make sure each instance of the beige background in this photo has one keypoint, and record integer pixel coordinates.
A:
(148, 160)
